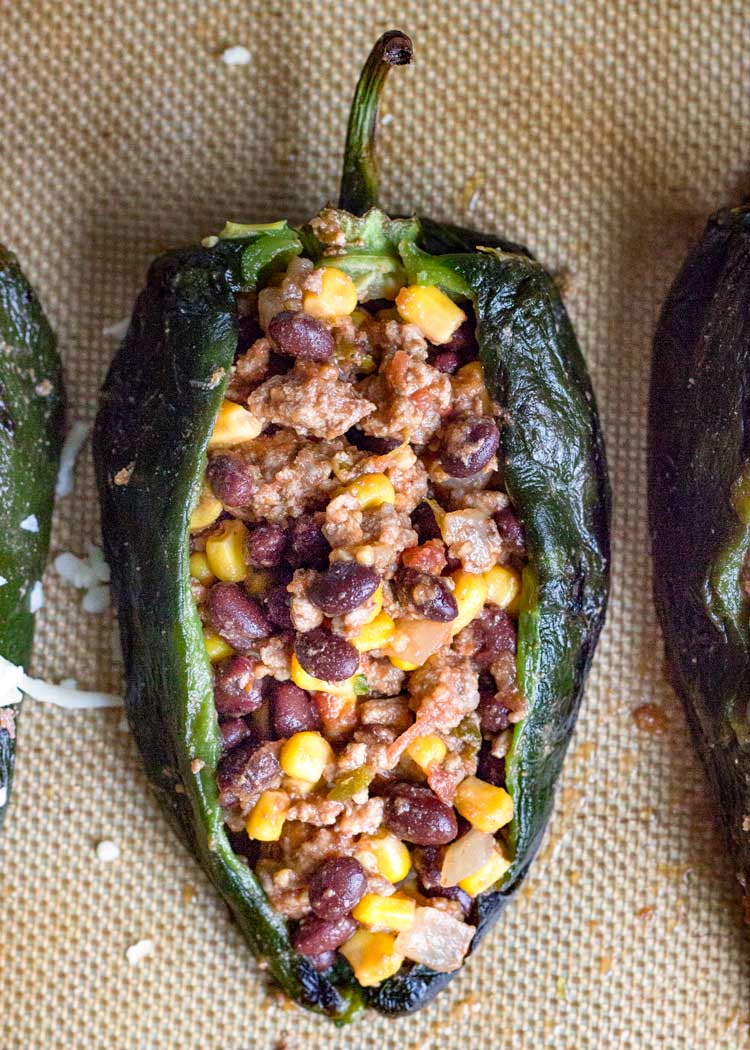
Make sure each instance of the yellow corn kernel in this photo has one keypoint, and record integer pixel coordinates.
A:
(470, 592)
(225, 551)
(503, 585)
(372, 956)
(200, 570)
(267, 816)
(385, 913)
(216, 647)
(487, 875)
(304, 680)
(371, 490)
(206, 512)
(336, 298)
(435, 315)
(392, 857)
(375, 634)
(304, 756)
(427, 749)
(485, 806)
(402, 665)
(234, 424)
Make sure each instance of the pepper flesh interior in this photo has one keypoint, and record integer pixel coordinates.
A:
(364, 656)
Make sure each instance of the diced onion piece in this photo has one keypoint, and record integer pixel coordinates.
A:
(436, 939)
(466, 856)
(414, 641)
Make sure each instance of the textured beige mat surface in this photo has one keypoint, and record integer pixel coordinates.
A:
(601, 133)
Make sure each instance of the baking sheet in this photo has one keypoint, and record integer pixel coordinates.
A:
(601, 134)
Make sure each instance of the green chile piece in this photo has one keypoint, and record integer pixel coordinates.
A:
(31, 427)
(157, 411)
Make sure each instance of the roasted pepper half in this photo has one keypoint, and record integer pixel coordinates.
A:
(163, 404)
(699, 491)
(31, 423)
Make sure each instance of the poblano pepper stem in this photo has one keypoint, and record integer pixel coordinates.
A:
(359, 182)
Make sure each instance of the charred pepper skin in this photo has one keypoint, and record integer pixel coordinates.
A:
(31, 430)
(699, 504)
(157, 412)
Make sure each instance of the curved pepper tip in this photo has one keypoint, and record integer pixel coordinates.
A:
(396, 48)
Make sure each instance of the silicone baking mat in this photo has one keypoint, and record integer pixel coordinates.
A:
(600, 133)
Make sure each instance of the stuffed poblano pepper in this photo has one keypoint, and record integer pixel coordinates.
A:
(355, 502)
(31, 423)
(700, 507)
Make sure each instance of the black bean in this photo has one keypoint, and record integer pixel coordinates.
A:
(343, 587)
(308, 547)
(511, 532)
(278, 603)
(424, 523)
(245, 771)
(326, 656)
(232, 732)
(315, 936)
(322, 961)
(493, 714)
(235, 616)
(265, 545)
(300, 335)
(248, 330)
(426, 595)
(236, 689)
(379, 446)
(336, 887)
(230, 478)
(492, 632)
(244, 846)
(416, 814)
(464, 341)
(489, 767)
(446, 361)
(291, 710)
(467, 445)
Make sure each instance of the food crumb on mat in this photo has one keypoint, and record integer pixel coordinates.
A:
(236, 56)
(139, 951)
(107, 851)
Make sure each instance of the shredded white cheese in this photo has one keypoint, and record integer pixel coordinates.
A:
(96, 599)
(236, 56)
(30, 524)
(118, 330)
(107, 851)
(139, 951)
(83, 573)
(14, 682)
(36, 597)
(72, 445)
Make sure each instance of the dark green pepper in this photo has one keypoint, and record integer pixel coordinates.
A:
(31, 425)
(700, 507)
(157, 412)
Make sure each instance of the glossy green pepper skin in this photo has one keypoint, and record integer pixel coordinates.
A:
(31, 428)
(157, 412)
(700, 506)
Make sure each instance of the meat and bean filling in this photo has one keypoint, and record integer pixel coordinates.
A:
(356, 565)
